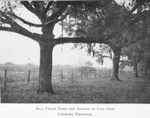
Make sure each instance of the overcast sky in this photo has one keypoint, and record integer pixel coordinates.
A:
(21, 50)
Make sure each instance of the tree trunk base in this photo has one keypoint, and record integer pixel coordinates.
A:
(113, 78)
(51, 92)
(136, 76)
(116, 59)
(43, 90)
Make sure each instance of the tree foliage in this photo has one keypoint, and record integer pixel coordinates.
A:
(102, 21)
(116, 27)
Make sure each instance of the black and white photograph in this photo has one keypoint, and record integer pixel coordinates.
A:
(75, 58)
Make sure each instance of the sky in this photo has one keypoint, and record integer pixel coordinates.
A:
(22, 50)
(19, 49)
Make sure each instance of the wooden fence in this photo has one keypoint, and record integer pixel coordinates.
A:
(64, 75)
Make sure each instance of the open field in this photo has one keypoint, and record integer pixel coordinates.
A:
(76, 90)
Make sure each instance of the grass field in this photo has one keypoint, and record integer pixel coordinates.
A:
(92, 90)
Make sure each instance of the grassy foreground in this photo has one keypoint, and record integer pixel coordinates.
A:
(100, 90)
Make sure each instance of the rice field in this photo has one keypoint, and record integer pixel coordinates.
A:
(73, 89)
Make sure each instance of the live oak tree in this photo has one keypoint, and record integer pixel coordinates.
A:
(49, 13)
(137, 53)
(137, 56)
(146, 58)
(133, 55)
(113, 25)
(144, 64)
(138, 23)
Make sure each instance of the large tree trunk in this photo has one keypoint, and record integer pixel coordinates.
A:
(135, 70)
(45, 71)
(145, 71)
(116, 60)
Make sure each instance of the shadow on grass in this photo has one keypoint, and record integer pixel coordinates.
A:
(92, 91)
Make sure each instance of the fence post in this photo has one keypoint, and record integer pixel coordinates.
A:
(109, 73)
(100, 73)
(61, 75)
(87, 74)
(5, 78)
(72, 76)
(28, 80)
(95, 74)
(81, 75)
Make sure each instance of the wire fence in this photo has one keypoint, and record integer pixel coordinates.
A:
(9, 77)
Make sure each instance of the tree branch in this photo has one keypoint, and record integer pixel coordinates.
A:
(77, 40)
(134, 8)
(26, 22)
(4, 21)
(7, 29)
(62, 7)
(14, 27)
(30, 8)
(139, 38)
(105, 56)
(47, 7)
(62, 17)
(125, 61)
(22, 31)
(37, 6)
